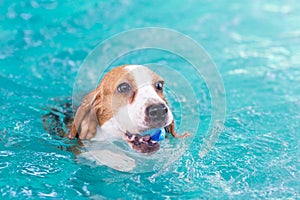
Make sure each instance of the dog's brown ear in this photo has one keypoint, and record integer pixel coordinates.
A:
(85, 121)
(171, 129)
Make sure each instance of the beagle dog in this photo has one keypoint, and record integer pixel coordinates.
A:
(128, 101)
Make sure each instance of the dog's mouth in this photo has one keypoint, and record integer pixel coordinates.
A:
(142, 144)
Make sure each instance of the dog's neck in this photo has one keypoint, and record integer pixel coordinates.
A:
(108, 131)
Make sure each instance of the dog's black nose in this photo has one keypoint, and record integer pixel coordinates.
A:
(157, 112)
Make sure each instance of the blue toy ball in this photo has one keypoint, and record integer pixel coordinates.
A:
(156, 134)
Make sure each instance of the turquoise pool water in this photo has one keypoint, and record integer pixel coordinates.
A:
(255, 46)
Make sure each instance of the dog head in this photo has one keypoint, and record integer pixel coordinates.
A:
(128, 101)
(138, 101)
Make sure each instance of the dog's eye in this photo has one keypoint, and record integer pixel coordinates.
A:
(159, 85)
(123, 88)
